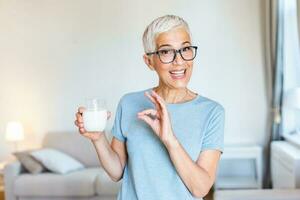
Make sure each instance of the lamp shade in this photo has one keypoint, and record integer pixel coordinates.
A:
(14, 132)
(292, 99)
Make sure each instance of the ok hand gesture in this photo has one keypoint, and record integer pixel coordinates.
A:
(158, 119)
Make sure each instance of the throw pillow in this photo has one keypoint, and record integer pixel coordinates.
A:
(57, 161)
(29, 163)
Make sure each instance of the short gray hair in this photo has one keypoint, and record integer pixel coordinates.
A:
(161, 25)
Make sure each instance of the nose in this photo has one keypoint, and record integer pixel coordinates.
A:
(178, 59)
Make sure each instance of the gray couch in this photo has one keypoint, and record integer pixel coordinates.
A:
(90, 183)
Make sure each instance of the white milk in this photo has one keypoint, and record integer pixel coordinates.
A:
(94, 120)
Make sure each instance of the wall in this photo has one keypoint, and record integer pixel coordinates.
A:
(56, 53)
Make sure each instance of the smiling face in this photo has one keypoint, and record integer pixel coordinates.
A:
(177, 74)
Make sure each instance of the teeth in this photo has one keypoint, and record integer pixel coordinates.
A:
(177, 72)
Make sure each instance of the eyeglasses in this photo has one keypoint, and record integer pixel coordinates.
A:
(168, 55)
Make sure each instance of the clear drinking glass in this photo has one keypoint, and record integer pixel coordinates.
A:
(95, 115)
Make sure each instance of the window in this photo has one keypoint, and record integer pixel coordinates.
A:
(291, 115)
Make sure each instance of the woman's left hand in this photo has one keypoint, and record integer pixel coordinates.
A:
(158, 119)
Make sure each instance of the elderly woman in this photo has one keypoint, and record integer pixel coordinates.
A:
(167, 139)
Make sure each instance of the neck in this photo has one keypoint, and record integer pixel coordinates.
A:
(172, 95)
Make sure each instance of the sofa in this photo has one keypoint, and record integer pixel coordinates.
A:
(89, 183)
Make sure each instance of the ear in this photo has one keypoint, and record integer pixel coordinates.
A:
(148, 62)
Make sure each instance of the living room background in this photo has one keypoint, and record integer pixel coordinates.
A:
(54, 54)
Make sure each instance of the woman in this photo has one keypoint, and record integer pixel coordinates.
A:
(167, 139)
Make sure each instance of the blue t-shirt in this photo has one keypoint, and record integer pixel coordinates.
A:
(149, 173)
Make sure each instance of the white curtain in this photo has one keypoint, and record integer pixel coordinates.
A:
(282, 68)
(291, 64)
(274, 75)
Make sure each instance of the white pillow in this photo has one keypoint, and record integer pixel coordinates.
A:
(56, 161)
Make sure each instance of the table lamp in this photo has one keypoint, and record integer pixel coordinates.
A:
(14, 133)
(292, 101)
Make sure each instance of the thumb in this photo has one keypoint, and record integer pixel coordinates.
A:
(146, 119)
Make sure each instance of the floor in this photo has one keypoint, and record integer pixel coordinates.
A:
(1, 195)
(1, 187)
(1, 192)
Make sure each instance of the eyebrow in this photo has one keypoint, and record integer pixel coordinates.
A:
(168, 45)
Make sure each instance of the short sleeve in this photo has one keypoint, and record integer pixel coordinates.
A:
(117, 131)
(214, 134)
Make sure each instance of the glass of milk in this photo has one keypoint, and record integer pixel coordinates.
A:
(95, 115)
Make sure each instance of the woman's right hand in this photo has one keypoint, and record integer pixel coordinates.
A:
(79, 123)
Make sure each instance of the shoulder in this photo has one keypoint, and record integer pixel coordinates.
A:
(133, 97)
(212, 106)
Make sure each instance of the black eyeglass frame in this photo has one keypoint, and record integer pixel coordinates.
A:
(175, 54)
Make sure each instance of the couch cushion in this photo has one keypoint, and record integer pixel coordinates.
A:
(78, 183)
(75, 145)
(105, 186)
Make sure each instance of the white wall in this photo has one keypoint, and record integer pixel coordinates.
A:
(55, 53)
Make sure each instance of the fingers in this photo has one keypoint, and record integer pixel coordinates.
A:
(145, 115)
(82, 130)
(148, 112)
(159, 100)
(79, 120)
(80, 126)
(152, 99)
(156, 96)
(79, 114)
(81, 110)
(146, 119)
